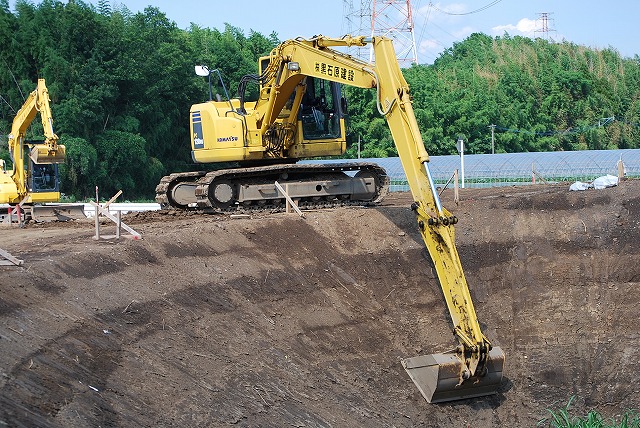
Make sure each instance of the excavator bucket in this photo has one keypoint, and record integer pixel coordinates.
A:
(437, 376)
(57, 212)
(40, 153)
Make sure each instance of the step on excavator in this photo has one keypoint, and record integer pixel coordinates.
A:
(300, 114)
(32, 186)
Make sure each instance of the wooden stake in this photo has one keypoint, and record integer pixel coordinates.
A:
(536, 174)
(286, 195)
(97, 219)
(112, 199)
(10, 259)
(621, 176)
(288, 204)
(106, 213)
(119, 217)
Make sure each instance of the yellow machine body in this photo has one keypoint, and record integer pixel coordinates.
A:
(32, 183)
(220, 134)
(293, 118)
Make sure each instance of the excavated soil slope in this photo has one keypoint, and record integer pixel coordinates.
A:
(280, 321)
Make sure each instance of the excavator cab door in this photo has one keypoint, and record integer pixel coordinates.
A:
(42, 169)
(321, 111)
(43, 177)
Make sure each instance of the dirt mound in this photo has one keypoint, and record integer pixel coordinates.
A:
(275, 320)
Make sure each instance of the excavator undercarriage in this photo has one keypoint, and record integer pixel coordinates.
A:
(253, 189)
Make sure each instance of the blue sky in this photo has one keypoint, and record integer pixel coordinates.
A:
(437, 24)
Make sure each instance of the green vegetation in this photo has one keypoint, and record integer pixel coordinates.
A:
(541, 96)
(122, 83)
(562, 418)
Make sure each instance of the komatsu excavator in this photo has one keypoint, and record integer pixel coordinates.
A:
(32, 184)
(300, 113)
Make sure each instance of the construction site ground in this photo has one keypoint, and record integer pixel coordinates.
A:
(273, 320)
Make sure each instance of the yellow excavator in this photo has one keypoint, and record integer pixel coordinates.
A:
(300, 113)
(32, 184)
(297, 116)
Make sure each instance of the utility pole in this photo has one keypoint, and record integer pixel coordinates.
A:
(493, 145)
(460, 147)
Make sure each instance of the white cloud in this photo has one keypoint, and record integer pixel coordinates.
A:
(525, 27)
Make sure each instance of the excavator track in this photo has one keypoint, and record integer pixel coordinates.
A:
(169, 195)
(312, 186)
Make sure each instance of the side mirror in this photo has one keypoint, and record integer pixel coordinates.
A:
(202, 70)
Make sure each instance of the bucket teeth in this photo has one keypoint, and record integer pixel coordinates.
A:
(437, 376)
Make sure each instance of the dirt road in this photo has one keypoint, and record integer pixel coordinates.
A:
(280, 321)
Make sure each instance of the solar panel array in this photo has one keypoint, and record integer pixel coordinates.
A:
(505, 169)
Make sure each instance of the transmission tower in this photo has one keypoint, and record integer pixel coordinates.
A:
(542, 25)
(357, 22)
(389, 18)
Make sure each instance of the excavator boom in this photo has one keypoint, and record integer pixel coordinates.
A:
(475, 367)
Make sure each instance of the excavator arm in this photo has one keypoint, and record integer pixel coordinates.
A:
(475, 367)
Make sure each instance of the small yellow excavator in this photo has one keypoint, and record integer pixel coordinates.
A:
(300, 113)
(32, 184)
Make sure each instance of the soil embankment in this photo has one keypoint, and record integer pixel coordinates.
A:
(275, 320)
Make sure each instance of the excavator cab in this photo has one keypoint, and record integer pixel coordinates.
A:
(320, 110)
(43, 178)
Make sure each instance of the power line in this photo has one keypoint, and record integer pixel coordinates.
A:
(435, 40)
(493, 3)
(601, 122)
(429, 22)
(456, 38)
(7, 102)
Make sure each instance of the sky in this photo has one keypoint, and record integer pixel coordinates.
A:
(437, 24)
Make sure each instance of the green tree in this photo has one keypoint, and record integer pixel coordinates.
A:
(123, 160)
(80, 173)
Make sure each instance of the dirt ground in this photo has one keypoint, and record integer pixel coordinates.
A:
(278, 321)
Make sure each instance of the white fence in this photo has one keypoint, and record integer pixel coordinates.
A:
(125, 207)
(503, 169)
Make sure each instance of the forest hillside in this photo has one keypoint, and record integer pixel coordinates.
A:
(121, 85)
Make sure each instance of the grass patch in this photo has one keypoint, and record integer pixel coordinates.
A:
(562, 418)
